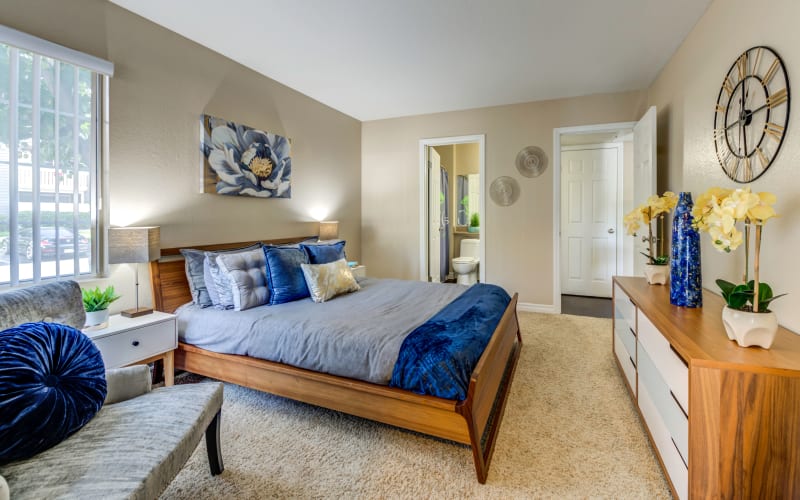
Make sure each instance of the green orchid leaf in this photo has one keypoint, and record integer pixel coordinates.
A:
(739, 297)
(726, 287)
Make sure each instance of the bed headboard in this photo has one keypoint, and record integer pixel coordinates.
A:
(168, 275)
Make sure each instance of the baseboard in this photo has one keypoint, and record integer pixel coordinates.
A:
(535, 308)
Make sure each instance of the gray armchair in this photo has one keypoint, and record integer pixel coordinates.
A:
(138, 441)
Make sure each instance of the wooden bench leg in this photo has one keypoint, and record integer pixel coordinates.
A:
(212, 445)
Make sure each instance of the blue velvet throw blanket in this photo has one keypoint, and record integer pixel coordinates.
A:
(438, 357)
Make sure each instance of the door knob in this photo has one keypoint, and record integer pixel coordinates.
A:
(611, 230)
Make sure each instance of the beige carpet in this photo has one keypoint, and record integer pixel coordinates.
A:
(570, 430)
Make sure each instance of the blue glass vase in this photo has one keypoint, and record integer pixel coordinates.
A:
(686, 287)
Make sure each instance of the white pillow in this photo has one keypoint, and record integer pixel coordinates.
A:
(326, 281)
(246, 277)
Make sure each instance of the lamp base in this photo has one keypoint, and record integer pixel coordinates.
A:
(136, 312)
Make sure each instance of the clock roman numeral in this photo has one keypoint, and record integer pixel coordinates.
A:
(720, 108)
(770, 72)
(741, 65)
(757, 60)
(762, 157)
(732, 167)
(748, 170)
(728, 85)
(777, 98)
(774, 130)
(719, 133)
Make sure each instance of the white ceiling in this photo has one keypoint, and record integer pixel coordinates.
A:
(374, 59)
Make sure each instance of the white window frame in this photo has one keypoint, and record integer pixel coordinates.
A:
(101, 72)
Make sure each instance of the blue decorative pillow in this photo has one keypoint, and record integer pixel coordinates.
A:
(324, 253)
(52, 382)
(285, 278)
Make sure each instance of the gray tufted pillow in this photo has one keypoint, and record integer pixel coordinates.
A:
(217, 282)
(57, 302)
(195, 272)
(247, 278)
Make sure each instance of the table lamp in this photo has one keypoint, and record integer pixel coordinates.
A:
(134, 245)
(328, 230)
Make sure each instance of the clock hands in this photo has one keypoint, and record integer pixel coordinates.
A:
(746, 116)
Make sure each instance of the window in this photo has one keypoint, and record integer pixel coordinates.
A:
(50, 109)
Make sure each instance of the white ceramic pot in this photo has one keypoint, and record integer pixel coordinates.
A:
(749, 328)
(656, 274)
(96, 317)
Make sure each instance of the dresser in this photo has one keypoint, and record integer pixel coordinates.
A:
(724, 420)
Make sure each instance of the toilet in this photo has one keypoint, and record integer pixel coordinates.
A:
(466, 265)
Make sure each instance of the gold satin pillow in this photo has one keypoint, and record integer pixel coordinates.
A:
(326, 281)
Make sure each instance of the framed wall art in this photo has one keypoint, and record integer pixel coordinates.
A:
(242, 161)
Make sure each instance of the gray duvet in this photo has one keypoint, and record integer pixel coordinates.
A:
(357, 335)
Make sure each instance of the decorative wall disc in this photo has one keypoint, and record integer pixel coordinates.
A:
(531, 161)
(504, 191)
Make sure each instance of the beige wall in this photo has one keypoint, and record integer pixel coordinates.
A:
(519, 244)
(468, 160)
(686, 92)
(163, 83)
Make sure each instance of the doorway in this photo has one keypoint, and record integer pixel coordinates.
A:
(600, 173)
(452, 206)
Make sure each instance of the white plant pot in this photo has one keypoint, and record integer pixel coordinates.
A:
(749, 328)
(656, 274)
(96, 317)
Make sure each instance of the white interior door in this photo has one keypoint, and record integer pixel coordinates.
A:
(588, 221)
(644, 178)
(434, 214)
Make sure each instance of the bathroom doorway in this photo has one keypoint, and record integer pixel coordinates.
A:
(452, 207)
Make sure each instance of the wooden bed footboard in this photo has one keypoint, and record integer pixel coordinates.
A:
(474, 421)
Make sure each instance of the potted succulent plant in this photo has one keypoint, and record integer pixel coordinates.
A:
(474, 223)
(657, 267)
(746, 316)
(96, 302)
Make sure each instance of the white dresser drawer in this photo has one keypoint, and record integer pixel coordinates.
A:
(624, 307)
(673, 370)
(134, 345)
(628, 338)
(673, 415)
(677, 470)
(627, 362)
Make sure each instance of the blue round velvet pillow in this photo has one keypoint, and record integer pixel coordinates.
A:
(52, 382)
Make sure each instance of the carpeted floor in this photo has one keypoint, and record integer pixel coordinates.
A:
(570, 430)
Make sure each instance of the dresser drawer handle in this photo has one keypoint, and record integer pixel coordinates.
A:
(679, 356)
(135, 343)
(679, 451)
(632, 361)
(678, 403)
(631, 329)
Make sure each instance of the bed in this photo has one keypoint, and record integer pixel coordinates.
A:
(474, 420)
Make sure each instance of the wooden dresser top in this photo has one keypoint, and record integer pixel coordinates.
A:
(699, 336)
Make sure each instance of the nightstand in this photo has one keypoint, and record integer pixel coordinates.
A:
(133, 341)
(359, 271)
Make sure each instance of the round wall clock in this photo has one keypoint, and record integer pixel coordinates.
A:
(752, 114)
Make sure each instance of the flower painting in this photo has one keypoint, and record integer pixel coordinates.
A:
(242, 161)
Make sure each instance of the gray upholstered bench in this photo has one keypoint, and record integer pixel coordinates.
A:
(138, 441)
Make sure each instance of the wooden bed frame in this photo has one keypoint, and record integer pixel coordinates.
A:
(474, 421)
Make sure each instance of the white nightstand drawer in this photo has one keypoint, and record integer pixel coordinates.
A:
(134, 345)
(626, 335)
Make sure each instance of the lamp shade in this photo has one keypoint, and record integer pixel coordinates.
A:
(130, 245)
(328, 230)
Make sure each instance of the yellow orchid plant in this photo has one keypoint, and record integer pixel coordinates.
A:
(654, 207)
(717, 212)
